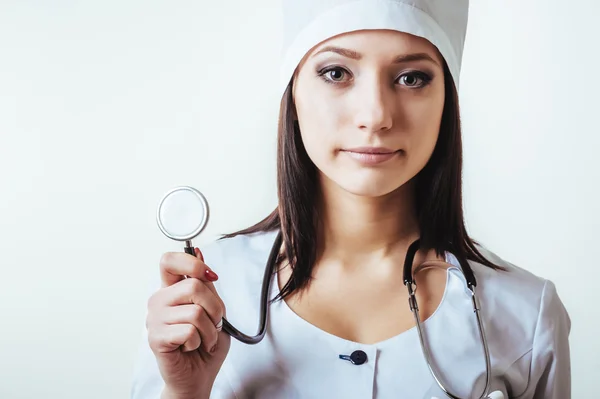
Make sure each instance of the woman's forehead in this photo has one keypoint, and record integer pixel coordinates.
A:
(377, 42)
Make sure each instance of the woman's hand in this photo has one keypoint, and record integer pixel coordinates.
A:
(184, 326)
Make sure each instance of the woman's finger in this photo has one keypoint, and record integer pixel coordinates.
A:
(192, 291)
(197, 316)
(176, 266)
(167, 338)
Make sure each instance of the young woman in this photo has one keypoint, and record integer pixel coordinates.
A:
(369, 162)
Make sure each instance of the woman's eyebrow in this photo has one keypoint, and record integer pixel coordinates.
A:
(341, 51)
(415, 57)
(357, 56)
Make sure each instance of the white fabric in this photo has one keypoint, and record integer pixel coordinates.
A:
(307, 23)
(526, 324)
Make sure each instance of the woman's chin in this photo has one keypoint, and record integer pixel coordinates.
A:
(369, 188)
(362, 183)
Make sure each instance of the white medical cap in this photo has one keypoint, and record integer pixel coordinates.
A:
(307, 23)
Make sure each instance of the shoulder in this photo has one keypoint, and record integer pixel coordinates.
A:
(243, 253)
(516, 293)
(240, 263)
(527, 324)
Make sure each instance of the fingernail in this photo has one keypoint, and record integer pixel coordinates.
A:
(213, 349)
(210, 275)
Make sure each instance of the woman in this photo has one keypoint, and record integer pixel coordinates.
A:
(369, 160)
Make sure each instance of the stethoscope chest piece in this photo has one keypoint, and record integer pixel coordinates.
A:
(182, 215)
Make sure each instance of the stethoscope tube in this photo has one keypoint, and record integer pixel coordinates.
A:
(264, 300)
(414, 307)
(412, 299)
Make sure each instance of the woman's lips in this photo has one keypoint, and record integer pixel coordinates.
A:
(370, 155)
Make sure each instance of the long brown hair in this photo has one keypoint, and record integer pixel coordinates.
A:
(438, 195)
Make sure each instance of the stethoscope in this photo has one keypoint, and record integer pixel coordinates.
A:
(183, 214)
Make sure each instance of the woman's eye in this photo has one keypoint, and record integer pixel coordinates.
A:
(414, 79)
(334, 75)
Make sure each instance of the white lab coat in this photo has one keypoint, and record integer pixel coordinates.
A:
(526, 324)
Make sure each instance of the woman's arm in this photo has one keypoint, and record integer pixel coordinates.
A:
(551, 360)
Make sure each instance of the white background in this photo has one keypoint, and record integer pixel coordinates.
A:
(106, 105)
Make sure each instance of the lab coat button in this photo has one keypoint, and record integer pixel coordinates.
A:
(358, 357)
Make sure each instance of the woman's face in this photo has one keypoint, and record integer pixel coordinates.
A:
(369, 106)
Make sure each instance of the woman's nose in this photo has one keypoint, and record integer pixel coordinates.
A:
(375, 104)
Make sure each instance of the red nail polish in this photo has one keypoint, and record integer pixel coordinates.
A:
(210, 275)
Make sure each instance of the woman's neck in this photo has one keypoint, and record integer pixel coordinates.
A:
(356, 230)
